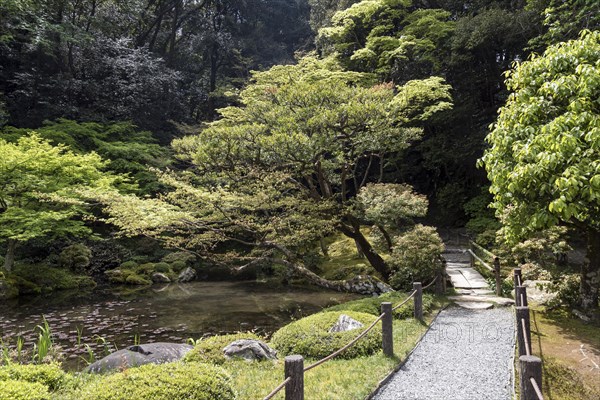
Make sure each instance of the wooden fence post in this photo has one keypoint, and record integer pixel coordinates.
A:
(521, 296)
(418, 301)
(387, 329)
(294, 368)
(522, 313)
(440, 281)
(498, 277)
(531, 367)
(517, 277)
(471, 256)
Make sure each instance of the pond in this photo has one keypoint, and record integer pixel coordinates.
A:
(114, 317)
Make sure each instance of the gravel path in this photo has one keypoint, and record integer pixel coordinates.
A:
(466, 355)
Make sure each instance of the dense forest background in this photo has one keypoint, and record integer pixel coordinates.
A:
(126, 78)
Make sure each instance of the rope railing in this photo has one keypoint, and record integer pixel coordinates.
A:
(486, 265)
(530, 366)
(495, 268)
(536, 388)
(483, 250)
(416, 294)
(278, 389)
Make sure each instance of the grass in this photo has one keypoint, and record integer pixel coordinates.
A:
(336, 379)
(570, 353)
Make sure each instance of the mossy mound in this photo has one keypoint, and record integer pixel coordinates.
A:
(49, 375)
(132, 273)
(20, 390)
(310, 337)
(372, 305)
(210, 350)
(36, 279)
(192, 381)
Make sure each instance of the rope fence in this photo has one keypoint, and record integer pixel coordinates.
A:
(495, 267)
(530, 381)
(294, 365)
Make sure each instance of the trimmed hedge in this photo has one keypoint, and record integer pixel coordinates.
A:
(19, 390)
(210, 350)
(372, 305)
(193, 381)
(310, 337)
(49, 375)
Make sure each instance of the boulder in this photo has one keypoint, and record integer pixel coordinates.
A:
(250, 350)
(344, 324)
(134, 356)
(159, 277)
(187, 275)
(366, 284)
(537, 291)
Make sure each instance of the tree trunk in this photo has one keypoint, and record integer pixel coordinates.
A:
(361, 241)
(9, 260)
(386, 235)
(361, 284)
(359, 251)
(590, 273)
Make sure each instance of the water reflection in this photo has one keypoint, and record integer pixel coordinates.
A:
(112, 317)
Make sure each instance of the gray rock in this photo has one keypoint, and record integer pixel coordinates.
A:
(344, 324)
(187, 275)
(159, 277)
(134, 356)
(537, 293)
(250, 350)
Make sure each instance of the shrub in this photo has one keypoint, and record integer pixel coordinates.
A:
(179, 256)
(145, 269)
(35, 278)
(210, 350)
(75, 257)
(129, 265)
(192, 381)
(178, 266)
(372, 305)
(567, 290)
(19, 390)
(49, 375)
(310, 337)
(162, 267)
(135, 279)
(416, 257)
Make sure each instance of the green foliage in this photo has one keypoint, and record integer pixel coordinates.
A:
(192, 381)
(309, 336)
(49, 375)
(132, 265)
(41, 189)
(162, 267)
(391, 204)
(416, 257)
(372, 305)
(567, 291)
(19, 390)
(128, 150)
(75, 257)
(544, 160)
(179, 256)
(210, 350)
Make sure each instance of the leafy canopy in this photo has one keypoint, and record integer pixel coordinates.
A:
(40, 188)
(544, 160)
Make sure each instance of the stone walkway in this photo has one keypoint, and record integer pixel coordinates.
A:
(466, 355)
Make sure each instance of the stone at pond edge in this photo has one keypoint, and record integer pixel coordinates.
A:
(134, 356)
(366, 284)
(159, 277)
(187, 275)
(250, 350)
(344, 324)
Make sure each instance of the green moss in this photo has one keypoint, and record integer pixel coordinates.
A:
(19, 390)
(563, 382)
(179, 256)
(145, 269)
(50, 375)
(210, 350)
(34, 278)
(135, 279)
(192, 381)
(310, 337)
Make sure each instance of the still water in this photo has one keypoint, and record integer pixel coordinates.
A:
(109, 318)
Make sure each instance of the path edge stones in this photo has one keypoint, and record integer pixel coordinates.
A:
(397, 368)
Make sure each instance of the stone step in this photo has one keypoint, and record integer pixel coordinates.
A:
(502, 301)
(471, 305)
